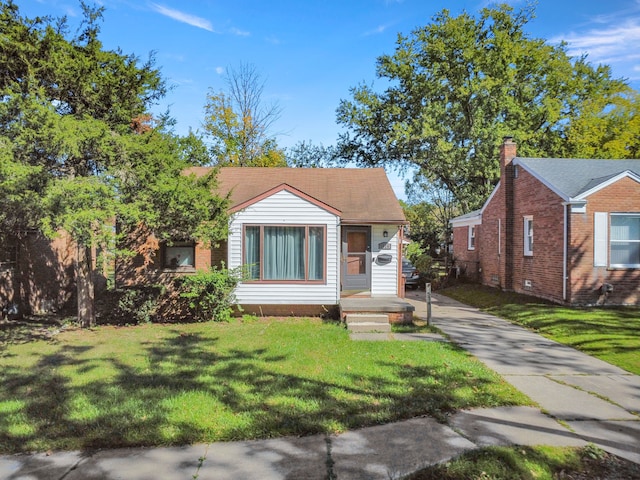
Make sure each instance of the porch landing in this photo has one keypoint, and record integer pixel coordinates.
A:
(397, 309)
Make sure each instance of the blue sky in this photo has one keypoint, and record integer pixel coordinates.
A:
(310, 53)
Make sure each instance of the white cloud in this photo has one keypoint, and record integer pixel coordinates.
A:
(220, 70)
(376, 31)
(240, 33)
(608, 39)
(187, 18)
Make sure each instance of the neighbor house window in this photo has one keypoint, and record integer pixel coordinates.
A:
(624, 243)
(180, 254)
(284, 253)
(472, 238)
(528, 236)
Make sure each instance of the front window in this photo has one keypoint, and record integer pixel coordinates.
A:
(528, 236)
(284, 253)
(179, 255)
(625, 240)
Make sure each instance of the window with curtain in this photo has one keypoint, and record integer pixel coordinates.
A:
(625, 240)
(284, 253)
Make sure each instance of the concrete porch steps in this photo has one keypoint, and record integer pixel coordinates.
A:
(367, 323)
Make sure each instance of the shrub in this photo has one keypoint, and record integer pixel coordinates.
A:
(131, 305)
(209, 293)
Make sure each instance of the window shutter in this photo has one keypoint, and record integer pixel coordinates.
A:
(600, 227)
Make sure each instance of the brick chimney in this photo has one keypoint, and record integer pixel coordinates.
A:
(507, 154)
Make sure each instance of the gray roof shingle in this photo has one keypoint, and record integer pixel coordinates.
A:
(572, 177)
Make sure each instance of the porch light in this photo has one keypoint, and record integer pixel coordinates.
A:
(385, 234)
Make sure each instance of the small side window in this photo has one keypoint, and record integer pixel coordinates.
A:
(180, 255)
(472, 238)
(528, 236)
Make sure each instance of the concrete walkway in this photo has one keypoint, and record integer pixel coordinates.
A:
(583, 400)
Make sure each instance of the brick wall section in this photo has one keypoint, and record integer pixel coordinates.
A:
(133, 271)
(544, 269)
(586, 279)
(219, 254)
(492, 241)
(42, 280)
(465, 259)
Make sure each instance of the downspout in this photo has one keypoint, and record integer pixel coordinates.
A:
(400, 281)
(565, 252)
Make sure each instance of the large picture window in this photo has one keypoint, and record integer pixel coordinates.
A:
(284, 253)
(625, 240)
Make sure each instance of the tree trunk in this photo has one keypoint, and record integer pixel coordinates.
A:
(84, 286)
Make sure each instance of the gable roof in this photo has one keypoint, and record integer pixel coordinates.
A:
(286, 188)
(362, 195)
(575, 179)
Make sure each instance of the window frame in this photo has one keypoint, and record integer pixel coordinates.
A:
(613, 241)
(191, 244)
(471, 237)
(527, 235)
(306, 227)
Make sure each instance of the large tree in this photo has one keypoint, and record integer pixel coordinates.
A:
(238, 122)
(456, 86)
(83, 150)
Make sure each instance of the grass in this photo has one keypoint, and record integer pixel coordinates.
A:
(183, 384)
(609, 333)
(532, 463)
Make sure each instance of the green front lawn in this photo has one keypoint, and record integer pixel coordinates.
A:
(182, 384)
(611, 334)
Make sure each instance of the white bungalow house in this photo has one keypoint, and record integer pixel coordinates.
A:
(307, 236)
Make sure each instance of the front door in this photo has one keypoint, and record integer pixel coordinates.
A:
(356, 258)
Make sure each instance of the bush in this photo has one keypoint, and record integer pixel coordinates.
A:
(131, 305)
(209, 293)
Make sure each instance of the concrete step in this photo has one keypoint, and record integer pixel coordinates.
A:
(366, 317)
(367, 323)
(368, 327)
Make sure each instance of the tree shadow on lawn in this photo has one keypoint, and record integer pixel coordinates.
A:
(242, 390)
(29, 329)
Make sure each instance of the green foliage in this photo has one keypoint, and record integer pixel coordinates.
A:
(210, 293)
(131, 305)
(237, 122)
(456, 86)
(308, 155)
(79, 150)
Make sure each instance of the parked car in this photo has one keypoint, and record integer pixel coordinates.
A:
(410, 274)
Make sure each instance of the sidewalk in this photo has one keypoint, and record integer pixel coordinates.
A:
(596, 400)
(558, 378)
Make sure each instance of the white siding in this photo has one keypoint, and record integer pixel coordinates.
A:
(384, 278)
(285, 208)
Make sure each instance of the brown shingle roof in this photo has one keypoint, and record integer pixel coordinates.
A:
(363, 195)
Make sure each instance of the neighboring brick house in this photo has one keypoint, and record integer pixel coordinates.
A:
(566, 230)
